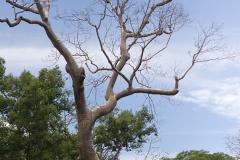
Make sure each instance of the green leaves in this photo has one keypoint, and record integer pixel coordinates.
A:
(123, 130)
(32, 110)
(2, 68)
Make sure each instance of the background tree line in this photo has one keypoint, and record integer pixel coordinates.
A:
(200, 155)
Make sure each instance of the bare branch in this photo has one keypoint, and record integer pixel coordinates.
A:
(97, 69)
(11, 24)
(204, 44)
(141, 59)
(23, 7)
(117, 70)
(131, 91)
(21, 18)
(106, 108)
(147, 16)
(43, 10)
(160, 50)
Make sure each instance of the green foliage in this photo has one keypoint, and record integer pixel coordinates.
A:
(122, 130)
(32, 122)
(200, 155)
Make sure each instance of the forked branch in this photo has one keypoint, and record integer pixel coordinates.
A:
(23, 7)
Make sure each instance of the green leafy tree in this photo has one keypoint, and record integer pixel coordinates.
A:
(200, 155)
(122, 130)
(33, 124)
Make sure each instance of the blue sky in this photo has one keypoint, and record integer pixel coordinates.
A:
(206, 110)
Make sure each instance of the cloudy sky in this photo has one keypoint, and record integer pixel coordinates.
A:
(207, 109)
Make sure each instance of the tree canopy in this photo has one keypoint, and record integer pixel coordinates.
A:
(122, 130)
(33, 112)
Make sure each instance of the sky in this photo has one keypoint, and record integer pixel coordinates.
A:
(201, 116)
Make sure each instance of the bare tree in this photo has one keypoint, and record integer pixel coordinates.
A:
(130, 35)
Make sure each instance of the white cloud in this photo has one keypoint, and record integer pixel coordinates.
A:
(219, 96)
(30, 58)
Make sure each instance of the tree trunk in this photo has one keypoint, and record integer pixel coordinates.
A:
(86, 148)
(84, 116)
